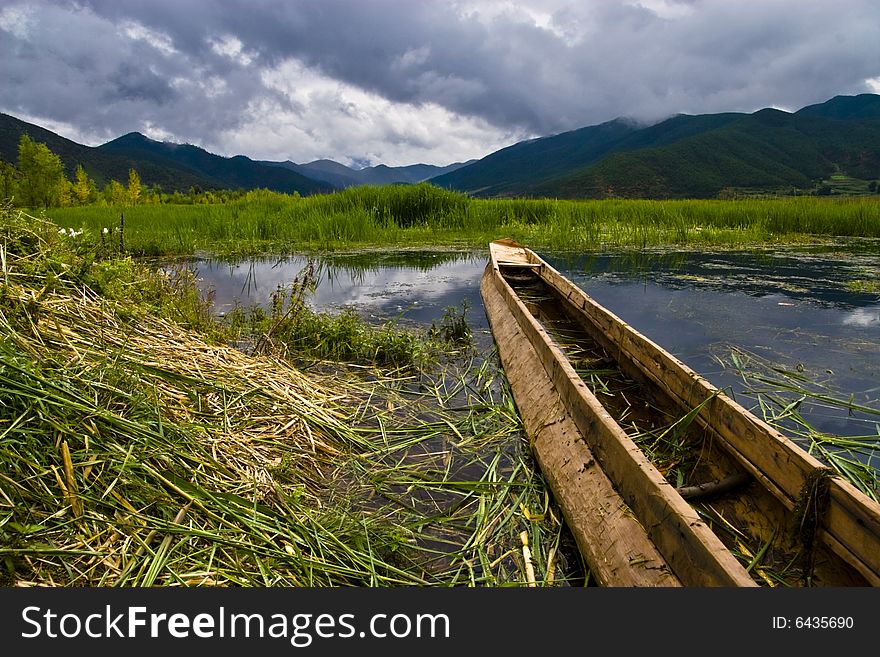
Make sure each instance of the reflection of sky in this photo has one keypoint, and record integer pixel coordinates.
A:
(818, 278)
(417, 293)
(697, 306)
(864, 317)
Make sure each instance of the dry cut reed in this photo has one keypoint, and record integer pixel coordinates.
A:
(135, 452)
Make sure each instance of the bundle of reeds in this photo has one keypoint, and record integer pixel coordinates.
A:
(134, 451)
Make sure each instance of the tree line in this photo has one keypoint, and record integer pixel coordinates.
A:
(38, 180)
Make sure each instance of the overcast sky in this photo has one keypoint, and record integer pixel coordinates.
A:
(406, 81)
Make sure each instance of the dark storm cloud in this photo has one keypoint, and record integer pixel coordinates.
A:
(132, 83)
(201, 69)
(500, 70)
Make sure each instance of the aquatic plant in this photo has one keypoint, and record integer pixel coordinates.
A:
(454, 328)
(780, 392)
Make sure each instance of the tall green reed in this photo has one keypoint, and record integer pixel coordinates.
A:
(263, 221)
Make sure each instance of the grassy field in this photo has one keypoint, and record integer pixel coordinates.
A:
(267, 222)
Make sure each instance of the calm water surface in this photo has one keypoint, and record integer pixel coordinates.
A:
(792, 309)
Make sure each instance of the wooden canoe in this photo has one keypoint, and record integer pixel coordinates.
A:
(755, 498)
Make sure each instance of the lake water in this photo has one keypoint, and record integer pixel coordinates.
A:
(786, 308)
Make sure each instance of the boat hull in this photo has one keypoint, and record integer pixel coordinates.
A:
(615, 501)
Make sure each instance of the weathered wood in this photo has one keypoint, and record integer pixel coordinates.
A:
(850, 527)
(612, 540)
(852, 519)
(689, 547)
(716, 487)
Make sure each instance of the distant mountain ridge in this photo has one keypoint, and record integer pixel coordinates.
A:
(102, 166)
(237, 172)
(698, 156)
(686, 156)
(173, 167)
(341, 176)
(179, 167)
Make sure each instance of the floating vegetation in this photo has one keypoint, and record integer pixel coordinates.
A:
(138, 451)
(452, 469)
(781, 392)
(864, 285)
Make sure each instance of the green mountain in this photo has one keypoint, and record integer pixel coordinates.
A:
(863, 106)
(514, 169)
(684, 156)
(174, 167)
(688, 156)
(238, 172)
(100, 165)
(340, 175)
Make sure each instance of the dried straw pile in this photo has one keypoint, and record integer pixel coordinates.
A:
(133, 452)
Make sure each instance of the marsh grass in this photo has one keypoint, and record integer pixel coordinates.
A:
(401, 215)
(138, 449)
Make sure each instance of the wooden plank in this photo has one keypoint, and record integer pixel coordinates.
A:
(690, 548)
(608, 535)
(509, 252)
(519, 265)
(852, 519)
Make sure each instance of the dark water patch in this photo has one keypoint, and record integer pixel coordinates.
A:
(819, 278)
